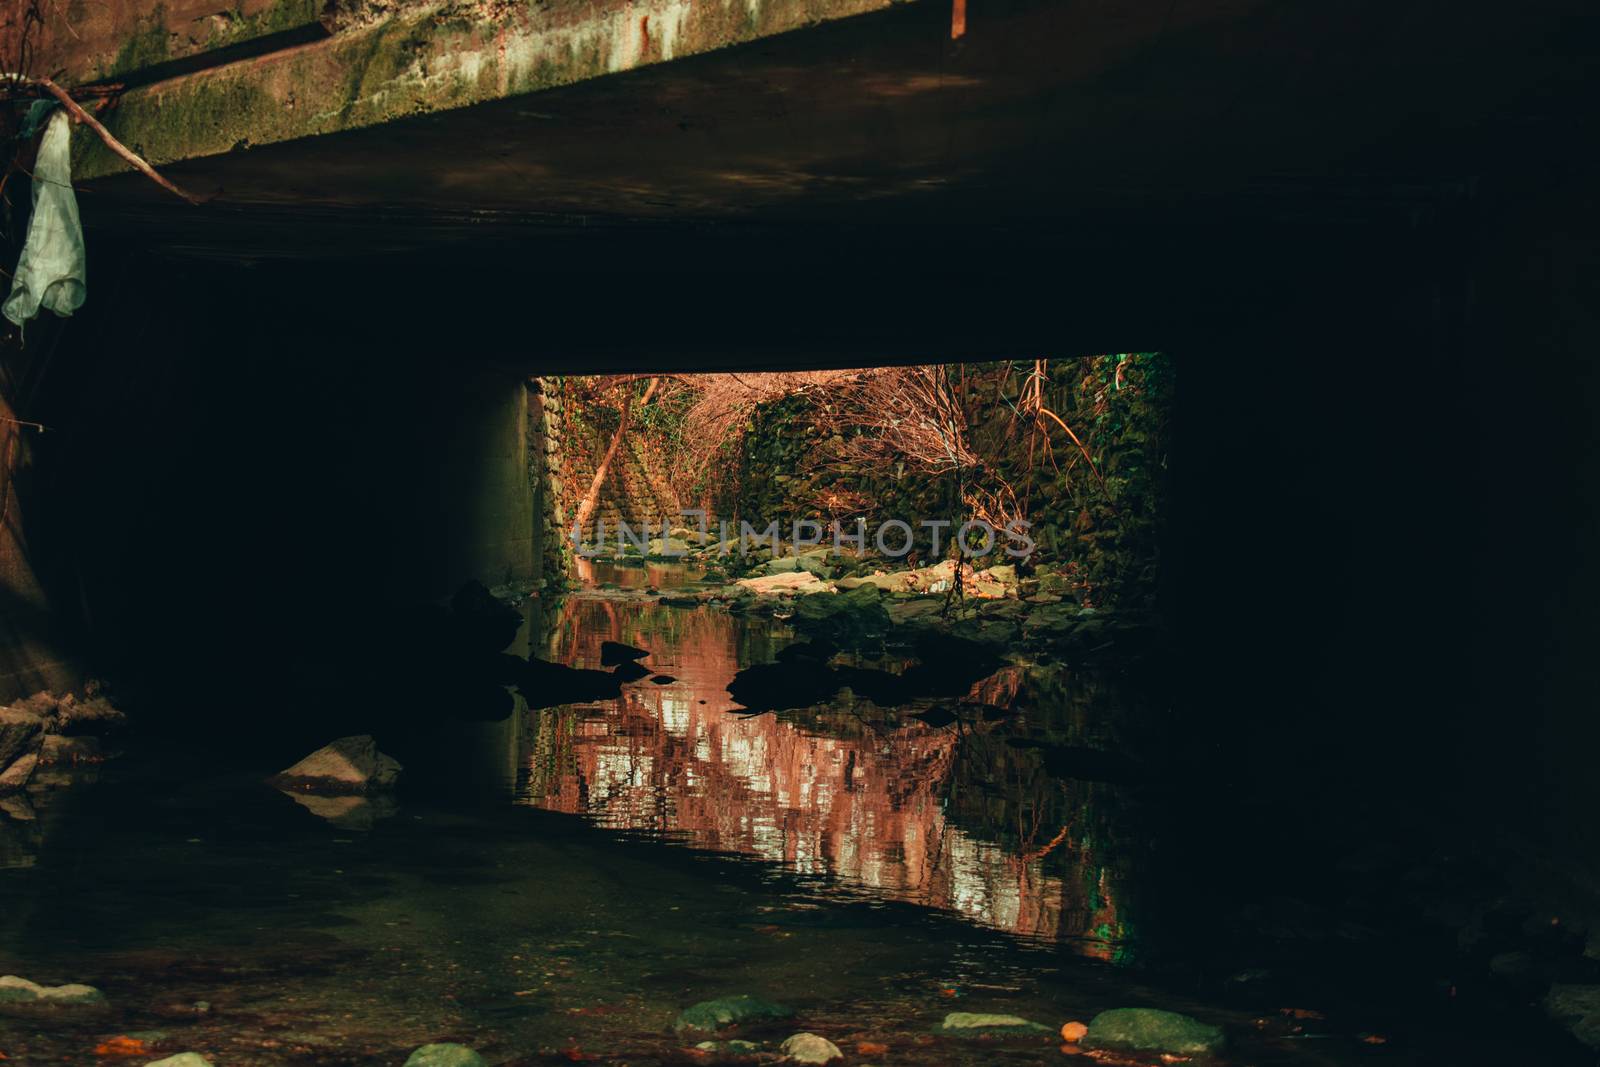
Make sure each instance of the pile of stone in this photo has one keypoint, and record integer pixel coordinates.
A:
(47, 730)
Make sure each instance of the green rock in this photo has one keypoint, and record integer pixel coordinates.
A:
(712, 1015)
(1152, 1030)
(984, 1024)
(669, 546)
(445, 1055)
(20, 991)
(182, 1059)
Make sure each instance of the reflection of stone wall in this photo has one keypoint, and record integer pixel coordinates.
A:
(863, 804)
(546, 426)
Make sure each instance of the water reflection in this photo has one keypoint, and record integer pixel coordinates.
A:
(960, 818)
(641, 575)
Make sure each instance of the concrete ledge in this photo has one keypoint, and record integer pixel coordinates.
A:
(429, 59)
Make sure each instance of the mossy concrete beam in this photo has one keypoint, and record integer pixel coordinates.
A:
(427, 59)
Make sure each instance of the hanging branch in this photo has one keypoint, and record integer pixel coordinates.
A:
(1110, 501)
(76, 111)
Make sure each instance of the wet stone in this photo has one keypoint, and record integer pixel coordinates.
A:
(19, 733)
(1152, 1030)
(348, 766)
(445, 1054)
(732, 1049)
(811, 1048)
(19, 992)
(712, 1015)
(182, 1059)
(985, 1024)
(1576, 1007)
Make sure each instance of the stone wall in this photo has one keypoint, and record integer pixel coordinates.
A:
(552, 549)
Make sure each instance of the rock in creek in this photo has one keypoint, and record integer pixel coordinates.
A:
(350, 766)
(709, 1016)
(811, 1048)
(445, 1055)
(182, 1059)
(95, 715)
(14, 779)
(18, 992)
(20, 733)
(613, 653)
(1576, 1007)
(630, 672)
(61, 749)
(1152, 1030)
(733, 1049)
(983, 1024)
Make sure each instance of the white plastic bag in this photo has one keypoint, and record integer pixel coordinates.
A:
(51, 272)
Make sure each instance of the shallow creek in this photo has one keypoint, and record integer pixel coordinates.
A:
(557, 887)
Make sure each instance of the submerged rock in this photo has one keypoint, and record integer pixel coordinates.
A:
(709, 1016)
(1576, 1007)
(21, 731)
(811, 1048)
(182, 1059)
(445, 1054)
(19, 992)
(985, 1024)
(14, 779)
(1152, 1030)
(348, 766)
(734, 1048)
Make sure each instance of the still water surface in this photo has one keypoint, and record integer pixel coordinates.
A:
(604, 865)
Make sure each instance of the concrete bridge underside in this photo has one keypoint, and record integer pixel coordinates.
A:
(1367, 230)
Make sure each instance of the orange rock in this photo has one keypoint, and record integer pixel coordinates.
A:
(1072, 1050)
(871, 1048)
(1073, 1032)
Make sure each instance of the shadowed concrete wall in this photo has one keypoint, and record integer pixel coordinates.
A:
(255, 479)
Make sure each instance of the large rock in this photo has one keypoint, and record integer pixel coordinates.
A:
(1576, 1007)
(845, 619)
(95, 716)
(693, 537)
(20, 731)
(799, 583)
(182, 1059)
(669, 546)
(811, 1048)
(348, 766)
(709, 1016)
(18, 992)
(14, 779)
(985, 1024)
(1152, 1030)
(445, 1054)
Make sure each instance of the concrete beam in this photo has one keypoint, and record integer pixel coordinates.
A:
(427, 58)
